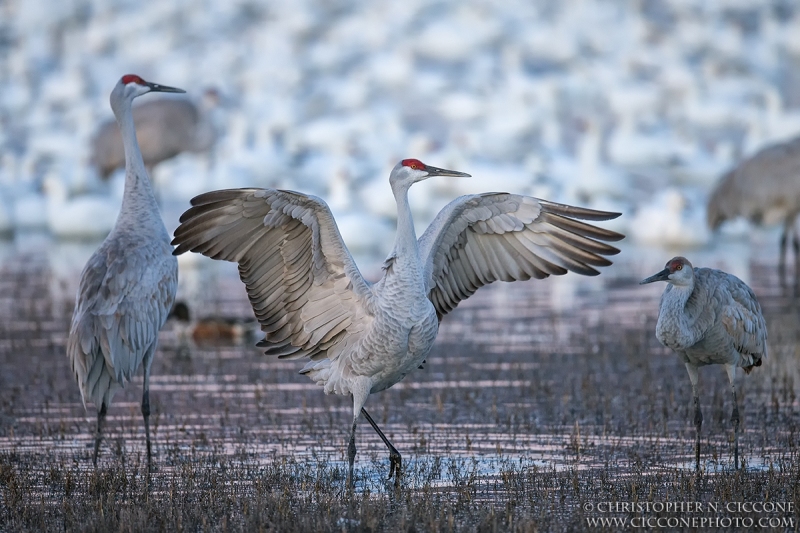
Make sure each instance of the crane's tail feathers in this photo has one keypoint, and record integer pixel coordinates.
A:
(83, 399)
(748, 369)
(76, 357)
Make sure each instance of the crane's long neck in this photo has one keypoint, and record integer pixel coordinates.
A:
(405, 242)
(676, 321)
(138, 202)
(675, 300)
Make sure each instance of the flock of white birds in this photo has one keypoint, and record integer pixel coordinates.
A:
(636, 106)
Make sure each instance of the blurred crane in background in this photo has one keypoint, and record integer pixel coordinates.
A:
(164, 129)
(765, 189)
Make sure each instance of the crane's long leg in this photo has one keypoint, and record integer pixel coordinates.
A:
(784, 242)
(698, 415)
(796, 247)
(782, 258)
(146, 405)
(787, 232)
(731, 369)
(698, 423)
(360, 389)
(351, 454)
(101, 418)
(395, 460)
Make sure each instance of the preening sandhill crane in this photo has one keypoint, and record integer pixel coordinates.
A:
(164, 129)
(764, 188)
(128, 285)
(710, 317)
(312, 301)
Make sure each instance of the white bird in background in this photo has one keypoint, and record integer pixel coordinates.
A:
(710, 317)
(670, 220)
(88, 216)
(128, 285)
(312, 302)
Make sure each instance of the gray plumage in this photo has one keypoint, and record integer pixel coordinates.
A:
(765, 189)
(128, 285)
(164, 129)
(710, 317)
(312, 302)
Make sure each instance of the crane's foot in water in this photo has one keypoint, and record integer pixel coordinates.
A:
(395, 466)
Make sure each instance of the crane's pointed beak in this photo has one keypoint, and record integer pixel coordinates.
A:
(660, 276)
(156, 88)
(434, 171)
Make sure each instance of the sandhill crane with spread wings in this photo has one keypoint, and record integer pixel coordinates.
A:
(313, 303)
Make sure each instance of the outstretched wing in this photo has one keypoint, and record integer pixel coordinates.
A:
(478, 239)
(305, 289)
(125, 294)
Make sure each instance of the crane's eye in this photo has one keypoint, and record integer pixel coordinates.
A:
(679, 267)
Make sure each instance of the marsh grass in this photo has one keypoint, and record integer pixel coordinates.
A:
(438, 494)
(521, 418)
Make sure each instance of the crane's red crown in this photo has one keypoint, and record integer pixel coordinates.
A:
(676, 264)
(416, 164)
(132, 78)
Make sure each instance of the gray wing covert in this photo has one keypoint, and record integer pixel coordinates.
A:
(478, 239)
(123, 300)
(741, 316)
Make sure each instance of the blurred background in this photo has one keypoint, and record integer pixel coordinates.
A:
(637, 106)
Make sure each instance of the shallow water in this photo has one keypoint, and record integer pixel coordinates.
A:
(557, 374)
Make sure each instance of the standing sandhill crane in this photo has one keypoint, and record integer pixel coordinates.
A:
(710, 317)
(764, 188)
(128, 285)
(164, 129)
(312, 301)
